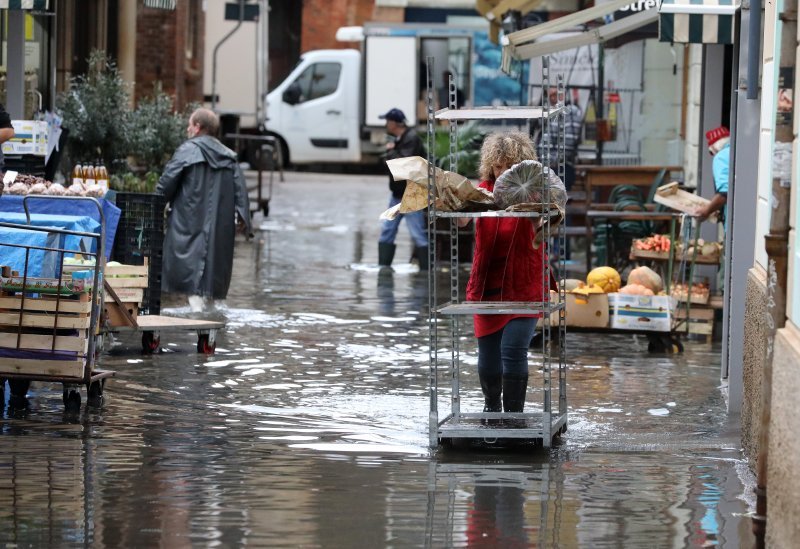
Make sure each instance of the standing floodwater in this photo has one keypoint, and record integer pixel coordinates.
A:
(309, 426)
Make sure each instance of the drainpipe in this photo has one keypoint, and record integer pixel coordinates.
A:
(754, 49)
(777, 247)
(214, 56)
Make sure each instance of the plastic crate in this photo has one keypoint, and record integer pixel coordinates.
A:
(140, 235)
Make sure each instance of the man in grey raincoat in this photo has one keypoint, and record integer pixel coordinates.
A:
(207, 192)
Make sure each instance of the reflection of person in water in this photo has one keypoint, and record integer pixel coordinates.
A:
(389, 301)
(497, 518)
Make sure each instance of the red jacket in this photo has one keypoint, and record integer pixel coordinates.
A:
(505, 267)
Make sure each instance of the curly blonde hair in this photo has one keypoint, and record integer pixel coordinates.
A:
(506, 148)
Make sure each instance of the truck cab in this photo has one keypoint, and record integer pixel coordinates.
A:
(315, 111)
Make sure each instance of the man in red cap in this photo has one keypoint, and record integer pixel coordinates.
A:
(719, 147)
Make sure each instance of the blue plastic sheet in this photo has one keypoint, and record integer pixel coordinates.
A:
(40, 263)
(54, 206)
(68, 222)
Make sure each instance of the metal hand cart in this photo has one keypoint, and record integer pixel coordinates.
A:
(152, 326)
(546, 422)
(266, 144)
(48, 324)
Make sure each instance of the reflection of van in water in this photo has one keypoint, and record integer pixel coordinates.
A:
(328, 108)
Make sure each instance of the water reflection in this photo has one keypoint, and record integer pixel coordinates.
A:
(489, 501)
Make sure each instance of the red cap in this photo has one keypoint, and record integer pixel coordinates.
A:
(712, 136)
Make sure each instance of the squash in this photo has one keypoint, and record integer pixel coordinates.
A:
(606, 278)
(572, 284)
(636, 289)
(647, 277)
(586, 290)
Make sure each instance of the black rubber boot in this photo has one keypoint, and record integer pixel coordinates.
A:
(422, 256)
(385, 254)
(514, 390)
(491, 387)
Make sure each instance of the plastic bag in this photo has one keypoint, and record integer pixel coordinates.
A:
(523, 183)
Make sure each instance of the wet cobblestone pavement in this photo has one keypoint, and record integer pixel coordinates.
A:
(308, 427)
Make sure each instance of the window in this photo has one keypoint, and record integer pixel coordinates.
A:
(318, 80)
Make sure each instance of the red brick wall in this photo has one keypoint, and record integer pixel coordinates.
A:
(322, 18)
(162, 38)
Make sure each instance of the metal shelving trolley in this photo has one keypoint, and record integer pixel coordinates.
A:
(545, 416)
(48, 319)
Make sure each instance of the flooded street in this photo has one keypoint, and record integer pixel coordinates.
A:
(308, 427)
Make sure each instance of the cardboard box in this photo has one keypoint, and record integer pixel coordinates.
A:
(641, 312)
(587, 311)
(671, 196)
(30, 137)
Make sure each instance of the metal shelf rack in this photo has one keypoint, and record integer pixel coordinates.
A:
(542, 421)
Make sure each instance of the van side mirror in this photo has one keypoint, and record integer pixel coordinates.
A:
(292, 94)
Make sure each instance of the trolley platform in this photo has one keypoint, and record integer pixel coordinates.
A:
(151, 327)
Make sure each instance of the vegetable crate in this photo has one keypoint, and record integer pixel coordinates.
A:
(43, 334)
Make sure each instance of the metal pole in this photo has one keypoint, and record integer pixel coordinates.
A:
(216, 50)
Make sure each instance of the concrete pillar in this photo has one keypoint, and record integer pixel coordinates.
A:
(126, 48)
(15, 76)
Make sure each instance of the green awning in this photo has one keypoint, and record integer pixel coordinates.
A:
(23, 4)
(697, 21)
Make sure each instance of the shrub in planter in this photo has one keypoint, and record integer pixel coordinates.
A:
(96, 110)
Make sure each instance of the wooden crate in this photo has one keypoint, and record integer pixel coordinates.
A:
(27, 326)
(117, 276)
(648, 254)
(114, 316)
(701, 320)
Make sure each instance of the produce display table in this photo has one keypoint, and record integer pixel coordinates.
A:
(10, 203)
(591, 215)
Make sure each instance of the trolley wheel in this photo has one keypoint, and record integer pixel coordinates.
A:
(18, 393)
(19, 388)
(204, 344)
(655, 345)
(150, 342)
(677, 345)
(95, 393)
(72, 400)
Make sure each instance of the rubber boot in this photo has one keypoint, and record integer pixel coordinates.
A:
(422, 257)
(385, 254)
(514, 390)
(491, 387)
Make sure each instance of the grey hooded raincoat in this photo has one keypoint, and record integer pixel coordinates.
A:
(205, 188)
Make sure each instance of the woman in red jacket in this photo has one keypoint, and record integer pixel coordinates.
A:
(505, 267)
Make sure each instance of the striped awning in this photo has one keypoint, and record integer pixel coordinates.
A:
(160, 4)
(23, 4)
(697, 21)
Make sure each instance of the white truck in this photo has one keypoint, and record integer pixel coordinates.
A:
(327, 109)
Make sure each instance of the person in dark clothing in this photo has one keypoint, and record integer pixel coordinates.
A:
(6, 132)
(206, 191)
(406, 143)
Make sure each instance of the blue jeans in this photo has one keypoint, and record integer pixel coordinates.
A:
(506, 351)
(415, 221)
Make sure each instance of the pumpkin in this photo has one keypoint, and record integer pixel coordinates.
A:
(647, 277)
(606, 278)
(636, 289)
